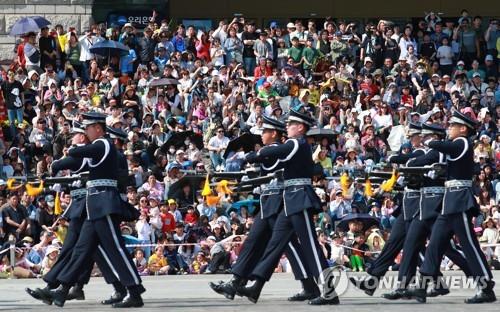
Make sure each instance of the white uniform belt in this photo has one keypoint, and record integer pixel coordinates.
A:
(276, 186)
(458, 183)
(78, 192)
(412, 190)
(433, 189)
(102, 182)
(293, 182)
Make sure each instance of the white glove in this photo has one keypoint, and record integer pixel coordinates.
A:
(56, 187)
(76, 184)
(400, 180)
(432, 174)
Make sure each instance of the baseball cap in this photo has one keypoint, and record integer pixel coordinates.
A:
(460, 63)
(476, 75)
(488, 57)
(171, 201)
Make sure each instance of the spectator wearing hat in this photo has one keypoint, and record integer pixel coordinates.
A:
(339, 205)
(50, 259)
(490, 66)
(172, 207)
(477, 85)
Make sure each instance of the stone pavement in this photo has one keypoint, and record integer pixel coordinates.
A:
(191, 293)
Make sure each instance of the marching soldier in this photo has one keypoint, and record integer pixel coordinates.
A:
(300, 203)
(74, 213)
(431, 196)
(103, 210)
(394, 244)
(271, 204)
(458, 209)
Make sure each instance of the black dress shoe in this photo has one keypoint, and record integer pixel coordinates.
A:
(323, 301)
(435, 292)
(368, 285)
(76, 293)
(59, 295)
(399, 293)
(483, 296)
(418, 293)
(228, 289)
(41, 294)
(216, 287)
(302, 296)
(252, 292)
(129, 302)
(115, 298)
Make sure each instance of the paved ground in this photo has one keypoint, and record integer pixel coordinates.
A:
(191, 293)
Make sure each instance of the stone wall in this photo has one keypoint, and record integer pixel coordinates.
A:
(76, 13)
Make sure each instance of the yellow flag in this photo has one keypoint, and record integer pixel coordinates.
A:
(223, 188)
(368, 188)
(388, 185)
(57, 205)
(207, 191)
(344, 183)
(34, 191)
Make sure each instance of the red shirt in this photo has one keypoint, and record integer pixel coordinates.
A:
(168, 221)
(203, 51)
(190, 218)
(259, 72)
(20, 55)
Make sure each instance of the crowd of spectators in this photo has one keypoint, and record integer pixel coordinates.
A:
(363, 81)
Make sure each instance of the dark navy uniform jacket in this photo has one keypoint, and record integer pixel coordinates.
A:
(271, 196)
(460, 159)
(76, 165)
(296, 156)
(103, 165)
(411, 199)
(431, 201)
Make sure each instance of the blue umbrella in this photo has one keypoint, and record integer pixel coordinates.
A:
(106, 46)
(28, 24)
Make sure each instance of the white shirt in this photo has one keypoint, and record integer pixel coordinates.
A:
(218, 143)
(445, 55)
(85, 44)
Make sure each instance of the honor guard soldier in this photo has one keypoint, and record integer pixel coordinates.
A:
(300, 203)
(103, 211)
(458, 209)
(404, 215)
(75, 214)
(271, 204)
(431, 197)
